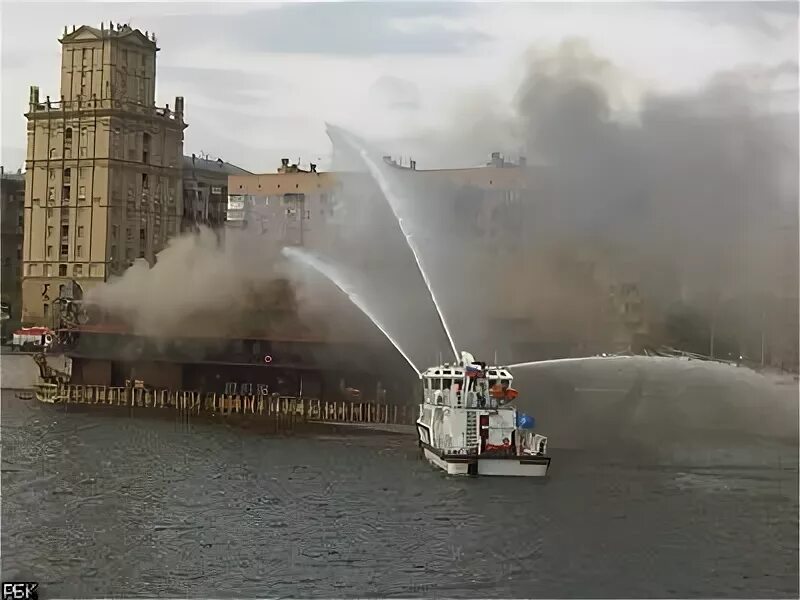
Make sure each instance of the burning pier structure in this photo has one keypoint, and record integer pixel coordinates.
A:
(300, 365)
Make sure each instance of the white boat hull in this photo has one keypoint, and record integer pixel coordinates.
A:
(510, 466)
(451, 468)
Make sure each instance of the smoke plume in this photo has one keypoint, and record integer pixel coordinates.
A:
(198, 284)
(692, 196)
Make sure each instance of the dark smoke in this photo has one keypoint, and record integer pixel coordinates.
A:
(693, 196)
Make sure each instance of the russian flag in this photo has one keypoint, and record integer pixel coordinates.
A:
(473, 371)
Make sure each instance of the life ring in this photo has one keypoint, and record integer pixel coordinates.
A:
(48, 339)
(267, 359)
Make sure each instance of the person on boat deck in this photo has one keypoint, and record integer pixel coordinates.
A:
(481, 394)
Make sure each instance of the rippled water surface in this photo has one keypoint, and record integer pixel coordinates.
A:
(95, 505)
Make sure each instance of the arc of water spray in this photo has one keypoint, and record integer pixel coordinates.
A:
(325, 270)
(551, 361)
(383, 183)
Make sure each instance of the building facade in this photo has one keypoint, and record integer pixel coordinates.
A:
(103, 168)
(490, 207)
(205, 191)
(12, 218)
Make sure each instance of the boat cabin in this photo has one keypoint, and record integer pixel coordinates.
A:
(470, 386)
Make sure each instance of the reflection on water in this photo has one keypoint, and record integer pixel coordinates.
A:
(96, 505)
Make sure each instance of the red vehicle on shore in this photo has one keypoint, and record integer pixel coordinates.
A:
(30, 339)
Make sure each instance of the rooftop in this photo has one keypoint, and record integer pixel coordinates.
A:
(114, 30)
(208, 164)
(18, 176)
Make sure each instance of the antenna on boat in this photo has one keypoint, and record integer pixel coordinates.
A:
(495, 358)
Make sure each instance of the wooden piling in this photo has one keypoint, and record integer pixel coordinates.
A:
(284, 411)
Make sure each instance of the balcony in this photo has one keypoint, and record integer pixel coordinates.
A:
(103, 104)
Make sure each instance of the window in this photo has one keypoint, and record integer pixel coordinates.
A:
(52, 152)
(49, 252)
(79, 251)
(145, 145)
(68, 136)
(145, 182)
(52, 173)
(64, 249)
(46, 309)
(51, 194)
(78, 270)
(49, 231)
(82, 192)
(128, 234)
(49, 213)
(113, 252)
(80, 231)
(62, 270)
(114, 231)
(64, 231)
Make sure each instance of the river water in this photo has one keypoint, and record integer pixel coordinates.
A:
(97, 505)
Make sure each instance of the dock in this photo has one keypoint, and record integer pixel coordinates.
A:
(288, 410)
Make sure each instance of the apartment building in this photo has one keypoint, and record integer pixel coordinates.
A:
(12, 202)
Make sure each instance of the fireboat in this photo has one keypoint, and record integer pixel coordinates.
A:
(466, 425)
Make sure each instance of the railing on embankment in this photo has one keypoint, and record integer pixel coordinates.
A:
(194, 402)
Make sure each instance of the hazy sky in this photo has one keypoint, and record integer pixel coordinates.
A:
(261, 79)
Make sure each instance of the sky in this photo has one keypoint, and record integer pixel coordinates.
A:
(261, 79)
